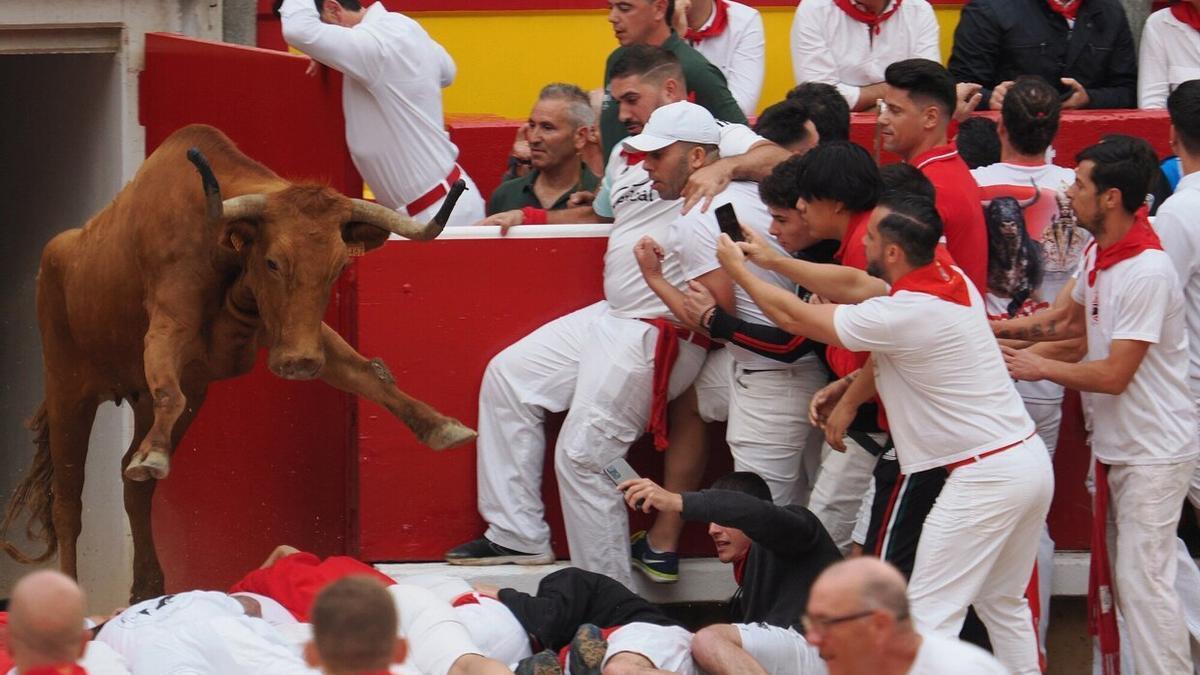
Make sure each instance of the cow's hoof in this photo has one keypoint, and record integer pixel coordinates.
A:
(449, 435)
(154, 465)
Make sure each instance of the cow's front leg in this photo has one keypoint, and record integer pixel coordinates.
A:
(347, 370)
(165, 341)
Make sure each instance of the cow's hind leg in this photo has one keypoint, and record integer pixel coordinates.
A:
(349, 371)
(166, 339)
(70, 423)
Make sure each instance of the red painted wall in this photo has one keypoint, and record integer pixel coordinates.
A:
(266, 461)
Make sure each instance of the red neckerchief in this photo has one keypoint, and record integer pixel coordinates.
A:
(859, 14)
(853, 229)
(936, 279)
(1102, 610)
(1140, 237)
(739, 568)
(1068, 9)
(633, 158)
(64, 669)
(719, 23)
(1187, 13)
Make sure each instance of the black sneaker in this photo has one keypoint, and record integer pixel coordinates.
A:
(484, 552)
(541, 663)
(588, 648)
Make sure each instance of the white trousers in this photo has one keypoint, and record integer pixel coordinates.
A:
(468, 210)
(669, 648)
(1048, 418)
(780, 651)
(601, 368)
(712, 386)
(844, 480)
(1143, 517)
(978, 547)
(768, 430)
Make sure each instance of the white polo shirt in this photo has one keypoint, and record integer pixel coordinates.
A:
(740, 52)
(694, 239)
(391, 95)
(637, 211)
(829, 46)
(1169, 56)
(939, 373)
(1153, 421)
(1051, 224)
(941, 655)
(1178, 226)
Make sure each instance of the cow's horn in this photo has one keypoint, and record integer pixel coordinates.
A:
(392, 221)
(243, 207)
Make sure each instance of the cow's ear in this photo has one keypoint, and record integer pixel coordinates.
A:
(363, 236)
(237, 234)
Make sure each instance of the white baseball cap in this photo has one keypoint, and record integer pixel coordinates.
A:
(674, 122)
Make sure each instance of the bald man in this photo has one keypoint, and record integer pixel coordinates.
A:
(46, 629)
(858, 620)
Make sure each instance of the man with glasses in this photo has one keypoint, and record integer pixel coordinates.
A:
(859, 622)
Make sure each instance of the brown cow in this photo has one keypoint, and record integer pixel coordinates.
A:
(169, 288)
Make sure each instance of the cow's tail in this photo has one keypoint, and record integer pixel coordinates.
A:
(34, 497)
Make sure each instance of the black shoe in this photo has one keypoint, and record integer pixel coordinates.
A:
(541, 663)
(484, 552)
(588, 648)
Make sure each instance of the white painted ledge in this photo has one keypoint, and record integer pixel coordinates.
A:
(582, 231)
(700, 579)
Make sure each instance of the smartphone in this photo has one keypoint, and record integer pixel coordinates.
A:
(728, 222)
(619, 471)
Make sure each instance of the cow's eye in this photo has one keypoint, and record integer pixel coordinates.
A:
(272, 265)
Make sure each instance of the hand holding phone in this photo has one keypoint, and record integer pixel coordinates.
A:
(728, 222)
(619, 471)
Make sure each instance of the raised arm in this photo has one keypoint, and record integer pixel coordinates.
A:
(354, 53)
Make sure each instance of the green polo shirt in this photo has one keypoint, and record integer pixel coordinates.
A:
(706, 86)
(518, 192)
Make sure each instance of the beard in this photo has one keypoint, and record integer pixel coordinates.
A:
(875, 269)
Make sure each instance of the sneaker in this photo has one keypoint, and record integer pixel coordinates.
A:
(661, 568)
(481, 551)
(588, 648)
(541, 663)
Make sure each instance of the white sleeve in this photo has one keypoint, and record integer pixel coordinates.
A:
(1141, 307)
(736, 139)
(813, 59)
(694, 240)
(1173, 230)
(447, 70)
(353, 52)
(865, 327)
(748, 67)
(928, 35)
(1153, 78)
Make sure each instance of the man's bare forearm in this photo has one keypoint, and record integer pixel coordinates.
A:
(758, 163)
(835, 283)
(787, 310)
(673, 298)
(1070, 351)
(575, 214)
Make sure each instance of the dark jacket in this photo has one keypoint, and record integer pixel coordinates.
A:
(998, 40)
(570, 597)
(790, 548)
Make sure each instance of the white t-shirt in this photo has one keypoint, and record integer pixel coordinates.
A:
(228, 645)
(950, 656)
(1051, 224)
(436, 638)
(739, 52)
(1153, 421)
(1178, 226)
(637, 211)
(152, 620)
(1169, 56)
(694, 240)
(829, 46)
(99, 659)
(391, 96)
(939, 373)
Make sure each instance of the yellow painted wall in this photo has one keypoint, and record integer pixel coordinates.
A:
(504, 59)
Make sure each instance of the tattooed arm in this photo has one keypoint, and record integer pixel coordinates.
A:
(1064, 320)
